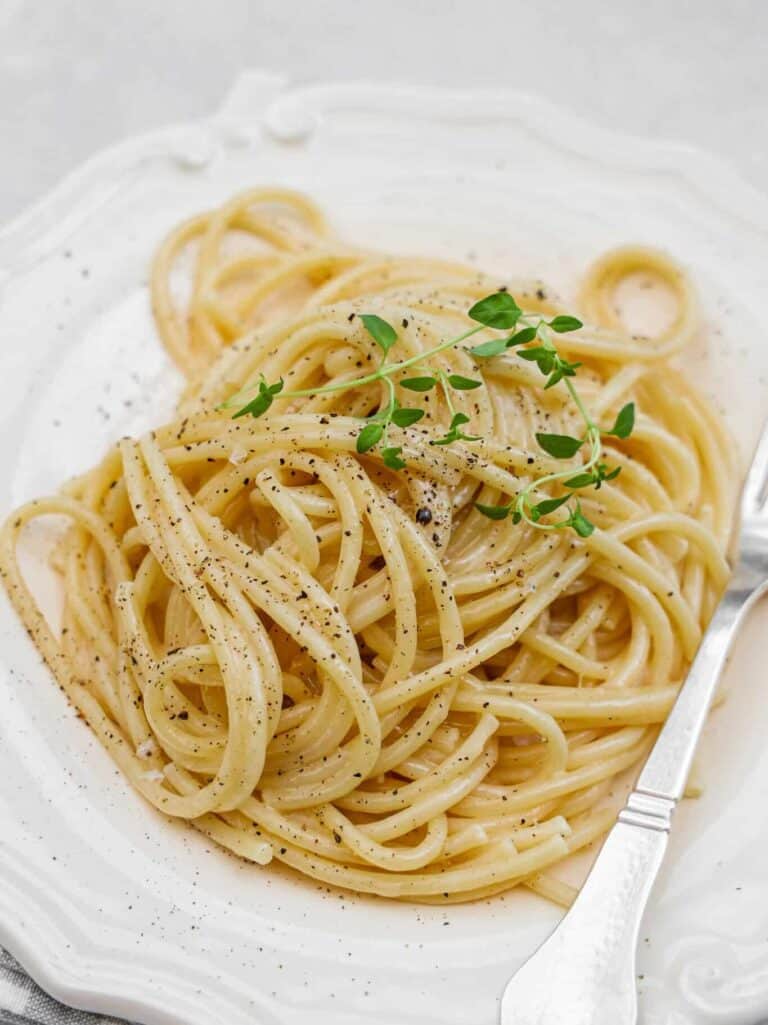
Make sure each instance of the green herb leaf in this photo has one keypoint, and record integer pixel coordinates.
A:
(596, 477)
(369, 436)
(580, 523)
(391, 457)
(561, 446)
(534, 354)
(261, 403)
(487, 349)
(454, 433)
(463, 383)
(382, 333)
(499, 310)
(562, 368)
(418, 383)
(581, 480)
(543, 357)
(549, 505)
(406, 417)
(624, 423)
(256, 407)
(563, 324)
(527, 334)
(494, 512)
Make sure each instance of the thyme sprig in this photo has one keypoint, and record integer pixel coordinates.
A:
(500, 312)
(555, 368)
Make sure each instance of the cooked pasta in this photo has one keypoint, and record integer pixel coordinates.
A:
(318, 659)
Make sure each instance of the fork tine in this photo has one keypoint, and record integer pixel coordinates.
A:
(753, 495)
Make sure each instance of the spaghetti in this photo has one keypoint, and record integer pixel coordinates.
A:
(316, 659)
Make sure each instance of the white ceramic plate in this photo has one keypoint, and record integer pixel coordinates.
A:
(111, 907)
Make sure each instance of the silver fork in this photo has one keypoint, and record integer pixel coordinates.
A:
(584, 974)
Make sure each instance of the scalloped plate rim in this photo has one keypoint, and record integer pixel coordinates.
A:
(698, 166)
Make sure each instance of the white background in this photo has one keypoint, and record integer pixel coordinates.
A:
(76, 75)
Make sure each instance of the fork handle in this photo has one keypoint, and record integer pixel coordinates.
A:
(584, 974)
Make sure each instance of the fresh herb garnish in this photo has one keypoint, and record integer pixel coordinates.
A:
(594, 477)
(547, 506)
(262, 402)
(560, 446)
(382, 333)
(370, 435)
(500, 312)
(406, 417)
(418, 383)
(494, 512)
(487, 349)
(563, 324)
(463, 383)
(624, 423)
(454, 432)
(522, 337)
(390, 456)
(579, 522)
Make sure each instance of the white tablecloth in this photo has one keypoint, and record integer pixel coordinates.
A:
(24, 1003)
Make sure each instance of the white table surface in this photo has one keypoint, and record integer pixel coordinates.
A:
(76, 75)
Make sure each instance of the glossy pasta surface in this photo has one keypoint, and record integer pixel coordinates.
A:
(317, 659)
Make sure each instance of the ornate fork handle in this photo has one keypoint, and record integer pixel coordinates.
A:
(584, 974)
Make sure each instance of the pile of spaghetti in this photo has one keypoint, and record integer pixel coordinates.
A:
(319, 659)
